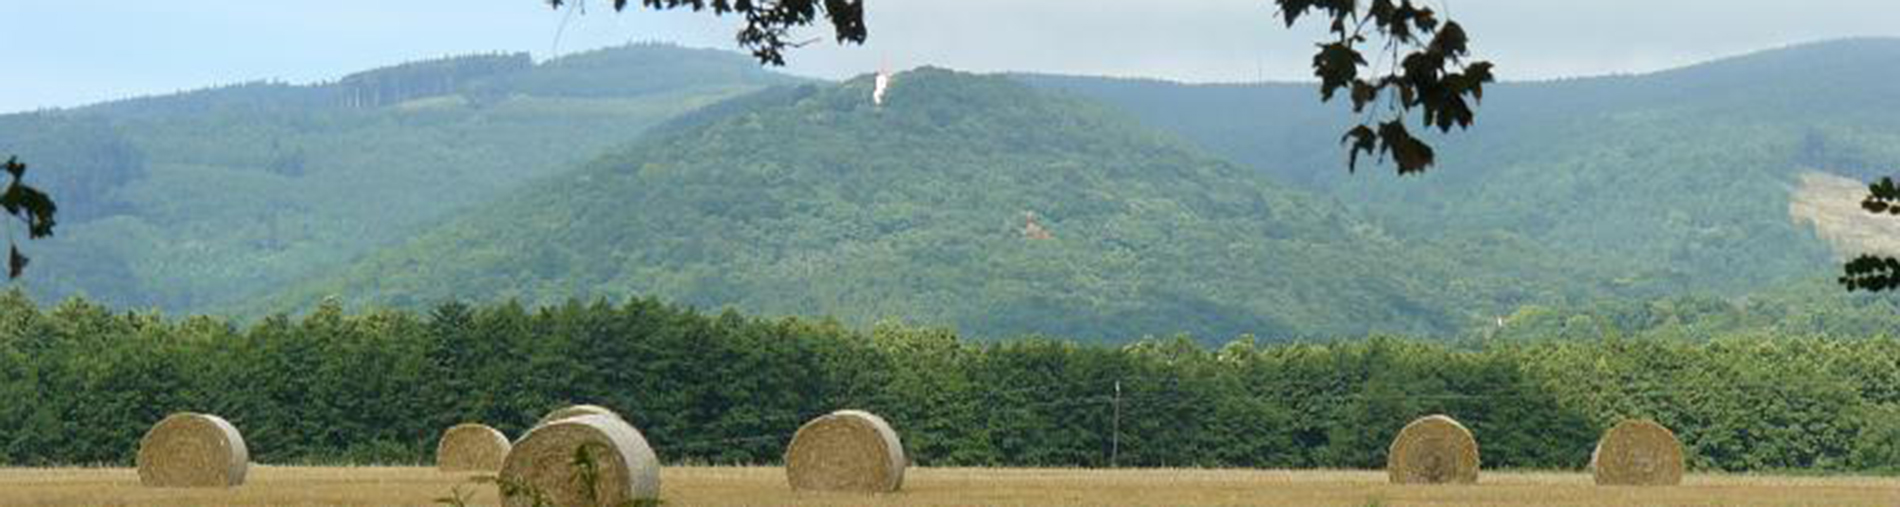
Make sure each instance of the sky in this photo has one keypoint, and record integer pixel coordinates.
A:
(62, 53)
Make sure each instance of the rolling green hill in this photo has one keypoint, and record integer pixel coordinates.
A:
(813, 201)
(1664, 183)
(200, 200)
(483, 178)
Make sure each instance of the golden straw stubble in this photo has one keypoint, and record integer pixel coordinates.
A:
(471, 447)
(1637, 453)
(847, 450)
(1433, 450)
(191, 450)
(543, 460)
(576, 410)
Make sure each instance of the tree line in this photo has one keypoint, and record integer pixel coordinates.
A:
(83, 382)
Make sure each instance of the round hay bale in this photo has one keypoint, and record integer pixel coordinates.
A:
(543, 460)
(187, 450)
(576, 410)
(1433, 450)
(847, 450)
(1637, 453)
(471, 447)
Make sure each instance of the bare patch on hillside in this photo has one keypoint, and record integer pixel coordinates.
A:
(1831, 204)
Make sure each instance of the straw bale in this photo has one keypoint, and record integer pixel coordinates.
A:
(192, 450)
(1637, 452)
(471, 447)
(544, 460)
(847, 450)
(1433, 450)
(576, 410)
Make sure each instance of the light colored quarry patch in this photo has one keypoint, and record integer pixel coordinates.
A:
(1831, 205)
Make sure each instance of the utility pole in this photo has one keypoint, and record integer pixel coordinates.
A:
(1115, 437)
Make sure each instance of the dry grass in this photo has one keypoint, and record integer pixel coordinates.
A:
(765, 486)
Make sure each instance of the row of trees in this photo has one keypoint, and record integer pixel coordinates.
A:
(392, 85)
(82, 383)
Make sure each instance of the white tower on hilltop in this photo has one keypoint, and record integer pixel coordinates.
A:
(877, 92)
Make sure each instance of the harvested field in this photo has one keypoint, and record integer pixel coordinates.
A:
(765, 486)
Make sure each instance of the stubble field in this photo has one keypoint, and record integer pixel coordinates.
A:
(765, 486)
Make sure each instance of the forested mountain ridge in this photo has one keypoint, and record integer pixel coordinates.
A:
(1659, 184)
(1577, 191)
(194, 201)
(963, 200)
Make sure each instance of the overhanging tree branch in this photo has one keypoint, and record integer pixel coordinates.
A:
(1429, 73)
(1875, 273)
(28, 205)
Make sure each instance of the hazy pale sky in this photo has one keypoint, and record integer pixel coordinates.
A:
(56, 53)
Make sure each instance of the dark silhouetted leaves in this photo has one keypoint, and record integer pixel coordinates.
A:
(16, 263)
(1337, 66)
(1360, 139)
(1430, 74)
(30, 206)
(1882, 197)
(1871, 273)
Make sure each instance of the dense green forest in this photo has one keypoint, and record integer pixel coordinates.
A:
(83, 382)
(199, 200)
(814, 201)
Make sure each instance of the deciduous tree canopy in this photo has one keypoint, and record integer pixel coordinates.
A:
(83, 381)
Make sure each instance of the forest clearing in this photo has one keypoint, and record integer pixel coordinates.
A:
(757, 486)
